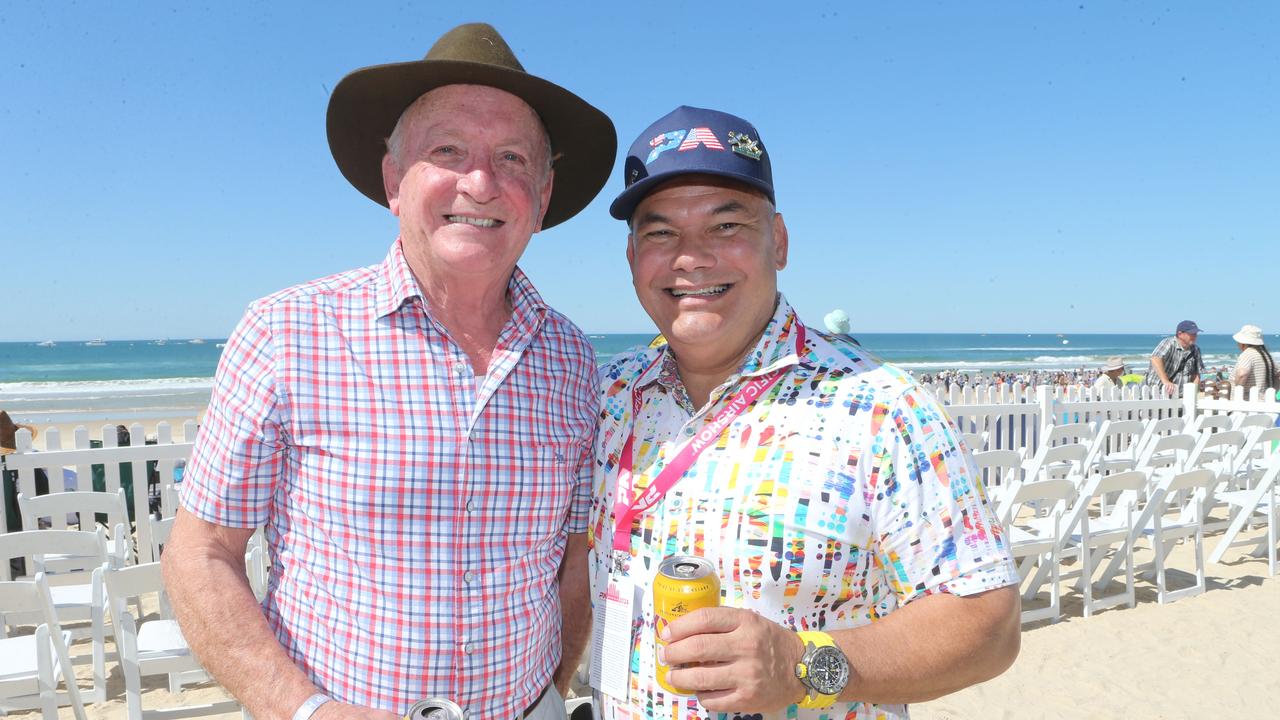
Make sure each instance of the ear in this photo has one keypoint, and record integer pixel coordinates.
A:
(780, 241)
(391, 183)
(631, 251)
(546, 198)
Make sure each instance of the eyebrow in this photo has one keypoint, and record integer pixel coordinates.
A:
(655, 217)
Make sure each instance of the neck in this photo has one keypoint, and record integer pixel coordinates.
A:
(472, 309)
(702, 375)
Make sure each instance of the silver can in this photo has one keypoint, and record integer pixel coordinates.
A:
(435, 709)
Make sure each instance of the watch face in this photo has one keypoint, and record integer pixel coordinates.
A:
(828, 671)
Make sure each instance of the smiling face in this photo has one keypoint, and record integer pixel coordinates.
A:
(705, 255)
(469, 177)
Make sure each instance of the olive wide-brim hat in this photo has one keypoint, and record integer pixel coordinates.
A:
(366, 105)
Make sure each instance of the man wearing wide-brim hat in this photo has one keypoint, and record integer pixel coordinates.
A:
(416, 435)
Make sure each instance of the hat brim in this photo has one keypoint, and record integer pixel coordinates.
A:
(366, 105)
(624, 206)
(1247, 339)
(35, 432)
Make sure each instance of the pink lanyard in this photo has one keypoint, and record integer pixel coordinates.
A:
(684, 459)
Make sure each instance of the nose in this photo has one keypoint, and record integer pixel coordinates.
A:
(478, 181)
(693, 252)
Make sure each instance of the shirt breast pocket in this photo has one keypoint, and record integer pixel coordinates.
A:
(540, 495)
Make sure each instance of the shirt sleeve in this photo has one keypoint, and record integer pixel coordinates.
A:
(240, 450)
(934, 530)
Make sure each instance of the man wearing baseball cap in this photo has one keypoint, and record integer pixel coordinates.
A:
(860, 565)
(1176, 359)
(415, 436)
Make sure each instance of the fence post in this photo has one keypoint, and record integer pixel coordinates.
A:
(1190, 395)
(1044, 395)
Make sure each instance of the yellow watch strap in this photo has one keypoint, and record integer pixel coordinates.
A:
(813, 699)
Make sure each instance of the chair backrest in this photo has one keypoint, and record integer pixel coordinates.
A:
(1226, 444)
(974, 441)
(1058, 461)
(31, 544)
(1116, 439)
(1198, 486)
(1212, 422)
(1070, 433)
(1167, 450)
(136, 581)
(33, 596)
(1159, 428)
(998, 468)
(1256, 420)
(1043, 498)
(61, 509)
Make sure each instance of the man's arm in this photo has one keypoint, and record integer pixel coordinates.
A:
(1157, 364)
(205, 578)
(928, 648)
(575, 608)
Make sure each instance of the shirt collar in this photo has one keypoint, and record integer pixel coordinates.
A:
(398, 286)
(775, 349)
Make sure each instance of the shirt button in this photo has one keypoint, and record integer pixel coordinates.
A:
(468, 577)
(471, 505)
(466, 648)
(460, 369)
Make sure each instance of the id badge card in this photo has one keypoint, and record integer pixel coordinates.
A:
(611, 629)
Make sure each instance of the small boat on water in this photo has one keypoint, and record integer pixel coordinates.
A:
(46, 343)
(160, 342)
(196, 341)
(96, 342)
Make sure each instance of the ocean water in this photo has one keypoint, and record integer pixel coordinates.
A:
(139, 380)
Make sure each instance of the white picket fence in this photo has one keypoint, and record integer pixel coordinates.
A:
(167, 453)
(1014, 416)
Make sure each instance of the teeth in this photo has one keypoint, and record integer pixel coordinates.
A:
(712, 290)
(478, 222)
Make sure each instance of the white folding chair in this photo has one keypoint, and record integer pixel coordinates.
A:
(79, 510)
(1159, 428)
(1115, 447)
(1059, 461)
(998, 469)
(153, 646)
(1261, 503)
(1164, 521)
(31, 664)
(1166, 454)
(1032, 513)
(74, 594)
(1114, 527)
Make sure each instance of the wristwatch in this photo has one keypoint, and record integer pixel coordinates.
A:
(823, 670)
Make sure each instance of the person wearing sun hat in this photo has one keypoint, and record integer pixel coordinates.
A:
(9, 444)
(825, 488)
(1255, 367)
(1176, 359)
(1109, 376)
(415, 436)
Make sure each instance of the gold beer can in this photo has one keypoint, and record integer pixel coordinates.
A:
(684, 583)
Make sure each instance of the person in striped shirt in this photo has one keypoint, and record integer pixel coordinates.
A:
(415, 436)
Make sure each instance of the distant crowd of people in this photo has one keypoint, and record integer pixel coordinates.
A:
(1175, 361)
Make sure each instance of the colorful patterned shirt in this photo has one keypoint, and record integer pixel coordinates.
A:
(837, 497)
(416, 519)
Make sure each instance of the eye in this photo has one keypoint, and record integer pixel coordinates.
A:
(445, 151)
(512, 157)
(727, 227)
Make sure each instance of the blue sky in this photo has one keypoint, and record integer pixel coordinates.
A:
(959, 167)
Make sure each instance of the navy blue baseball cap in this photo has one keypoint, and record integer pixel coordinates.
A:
(1189, 326)
(690, 140)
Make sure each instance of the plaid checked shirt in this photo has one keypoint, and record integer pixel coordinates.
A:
(416, 514)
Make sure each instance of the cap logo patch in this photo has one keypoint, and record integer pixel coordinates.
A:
(683, 140)
(745, 146)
